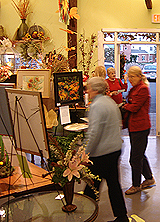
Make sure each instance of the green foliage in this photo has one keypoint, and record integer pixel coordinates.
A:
(5, 165)
(57, 176)
(59, 145)
(63, 142)
(1, 149)
(31, 47)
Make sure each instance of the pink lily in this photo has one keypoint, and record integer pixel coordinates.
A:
(73, 170)
(85, 158)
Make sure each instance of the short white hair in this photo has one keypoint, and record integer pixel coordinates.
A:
(97, 84)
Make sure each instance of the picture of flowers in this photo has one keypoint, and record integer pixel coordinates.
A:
(34, 83)
(68, 87)
(34, 80)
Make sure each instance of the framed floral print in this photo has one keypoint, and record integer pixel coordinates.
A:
(68, 88)
(34, 80)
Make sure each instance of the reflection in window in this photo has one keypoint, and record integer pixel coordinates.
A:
(108, 36)
(151, 57)
(149, 37)
(143, 57)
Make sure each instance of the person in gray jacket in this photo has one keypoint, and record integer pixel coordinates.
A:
(104, 145)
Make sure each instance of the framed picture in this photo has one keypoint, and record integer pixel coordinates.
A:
(68, 87)
(34, 80)
(27, 116)
(8, 60)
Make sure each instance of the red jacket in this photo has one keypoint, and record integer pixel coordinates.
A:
(115, 86)
(138, 105)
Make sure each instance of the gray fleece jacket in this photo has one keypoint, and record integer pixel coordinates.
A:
(103, 135)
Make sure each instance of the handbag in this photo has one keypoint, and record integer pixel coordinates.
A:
(122, 110)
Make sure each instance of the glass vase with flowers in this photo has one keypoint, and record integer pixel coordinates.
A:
(69, 163)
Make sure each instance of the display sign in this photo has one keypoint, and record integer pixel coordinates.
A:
(156, 18)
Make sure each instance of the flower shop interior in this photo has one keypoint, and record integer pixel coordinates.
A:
(45, 44)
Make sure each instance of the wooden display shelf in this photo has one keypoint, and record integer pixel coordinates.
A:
(20, 185)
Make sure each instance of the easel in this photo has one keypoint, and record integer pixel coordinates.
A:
(18, 108)
(18, 112)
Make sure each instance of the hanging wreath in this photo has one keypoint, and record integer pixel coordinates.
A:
(122, 65)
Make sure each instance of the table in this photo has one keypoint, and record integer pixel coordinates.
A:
(20, 185)
(43, 206)
(76, 127)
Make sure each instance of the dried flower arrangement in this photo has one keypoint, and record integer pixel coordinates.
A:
(22, 7)
(30, 49)
(56, 61)
(87, 46)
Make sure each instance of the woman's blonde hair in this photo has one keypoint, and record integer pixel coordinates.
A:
(100, 71)
(110, 69)
(136, 70)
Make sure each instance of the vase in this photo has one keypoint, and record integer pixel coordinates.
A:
(68, 191)
(22, 30)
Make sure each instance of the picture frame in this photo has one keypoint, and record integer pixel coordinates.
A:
(27, 114)
(34, 80)
(68, 88)
(8, 59)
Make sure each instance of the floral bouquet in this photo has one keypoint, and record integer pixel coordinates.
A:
(5, 73)
(69, 162)
(5, 165)
(56, 61)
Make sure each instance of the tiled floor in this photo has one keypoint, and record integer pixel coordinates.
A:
(145, 204)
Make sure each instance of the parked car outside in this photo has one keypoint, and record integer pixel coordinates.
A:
(149, 71)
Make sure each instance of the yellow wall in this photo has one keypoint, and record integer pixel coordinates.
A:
(116, 14)
(95, 14)
(44, 14)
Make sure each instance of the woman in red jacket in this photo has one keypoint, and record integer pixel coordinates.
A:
(139, 127)
(115, 85)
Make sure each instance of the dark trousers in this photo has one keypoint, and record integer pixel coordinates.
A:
(106, 167)
(138, 161)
